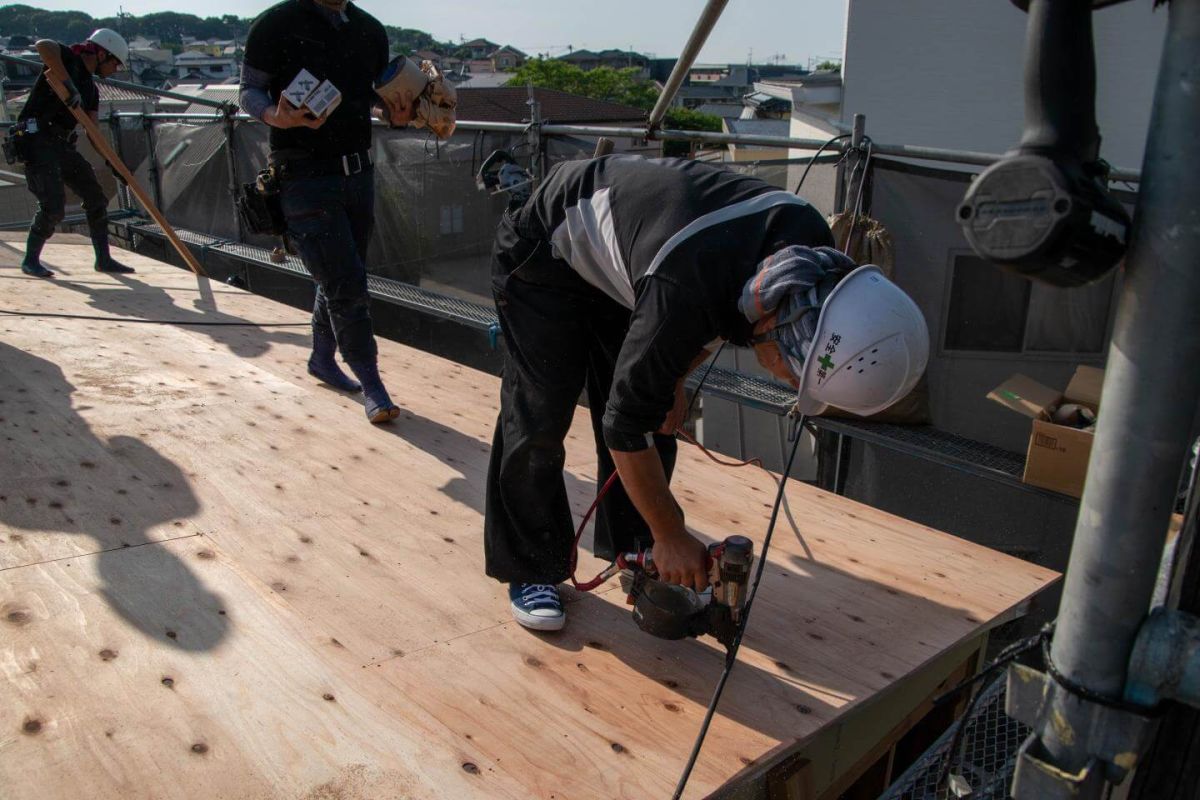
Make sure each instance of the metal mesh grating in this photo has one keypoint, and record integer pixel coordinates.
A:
(260, 255)
(934, 443)
(473, 314)
(191, 237)
(988, 754)
(745, 389)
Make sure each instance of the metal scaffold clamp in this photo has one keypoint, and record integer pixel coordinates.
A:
(1116, 736)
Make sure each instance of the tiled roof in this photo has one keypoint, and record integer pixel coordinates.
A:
(508, 104)
(109, 94)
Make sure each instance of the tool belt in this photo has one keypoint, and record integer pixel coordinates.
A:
(260, 207)
(306, 167)
(20, 138)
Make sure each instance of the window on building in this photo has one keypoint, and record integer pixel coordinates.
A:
(452, 220)
(991, 310)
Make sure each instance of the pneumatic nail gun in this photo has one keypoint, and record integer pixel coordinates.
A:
(676, 612)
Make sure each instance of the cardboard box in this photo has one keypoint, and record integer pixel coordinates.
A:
(300, 88)
(318, 97)
(324, 99)
(1057, 458)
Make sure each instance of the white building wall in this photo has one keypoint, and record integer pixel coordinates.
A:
(948, 73)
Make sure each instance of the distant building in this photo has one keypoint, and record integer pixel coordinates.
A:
(151, 66)
(431, 56)
(199, 67)
(588, 60)
(478, 48)
(815, 101)
(507, 59)
(755, 127)
(484, 80)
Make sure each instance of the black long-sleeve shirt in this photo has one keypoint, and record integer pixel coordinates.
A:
(675, 241)
(299, 34)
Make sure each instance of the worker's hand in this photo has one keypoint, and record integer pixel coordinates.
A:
(681, 558)
(285, 115)
(117, 174)
(678, 413)
(73, 99)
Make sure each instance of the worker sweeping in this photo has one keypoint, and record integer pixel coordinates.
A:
(616, 276)
(47, 136)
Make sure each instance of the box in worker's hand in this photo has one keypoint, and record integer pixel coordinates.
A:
(1060, 442)
(317, 97)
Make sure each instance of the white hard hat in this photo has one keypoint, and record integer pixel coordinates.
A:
(870, 347)
(113, 42)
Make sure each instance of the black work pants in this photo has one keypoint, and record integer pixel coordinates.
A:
(561, 336)
(51, 164)
(330, 219)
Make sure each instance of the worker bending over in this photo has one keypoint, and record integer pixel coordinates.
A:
(48, 149)
(617, 275)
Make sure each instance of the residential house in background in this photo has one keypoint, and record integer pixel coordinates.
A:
(199, 67)
(507, 59)
(478, 49)
(150, 64)
(588, 60)
(431, 56)
(814, 101)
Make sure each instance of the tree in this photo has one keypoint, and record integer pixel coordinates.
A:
(829, 66)
(614, 85)
(617, 86)
(688, 119)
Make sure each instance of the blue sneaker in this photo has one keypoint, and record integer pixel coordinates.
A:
(537, 606)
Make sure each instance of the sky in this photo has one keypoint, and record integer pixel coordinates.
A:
(797, 29)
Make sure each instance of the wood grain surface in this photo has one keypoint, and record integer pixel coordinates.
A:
(218, 581)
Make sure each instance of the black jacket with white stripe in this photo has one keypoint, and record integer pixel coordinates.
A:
(675, 241)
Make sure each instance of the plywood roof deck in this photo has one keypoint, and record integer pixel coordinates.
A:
(217, 581)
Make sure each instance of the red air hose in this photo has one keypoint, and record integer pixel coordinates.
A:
(608, 484)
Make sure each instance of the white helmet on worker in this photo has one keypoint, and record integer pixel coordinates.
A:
(855, 341)
(870, 348)
(421, 87)
(113, 42)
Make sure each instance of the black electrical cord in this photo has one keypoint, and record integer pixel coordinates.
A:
(1006, 656)
(712, 362)
(140, 321)
(731, 656)
(817, 155)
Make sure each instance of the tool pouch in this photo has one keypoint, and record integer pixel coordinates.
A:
(260, 207)
(16, 143)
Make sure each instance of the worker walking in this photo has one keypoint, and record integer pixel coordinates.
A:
(616, 276)
(323, 163)
(51, 160)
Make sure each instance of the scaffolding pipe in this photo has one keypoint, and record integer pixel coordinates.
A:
(704, 26)
(1151, 393)
(944, 155)
(136, 87)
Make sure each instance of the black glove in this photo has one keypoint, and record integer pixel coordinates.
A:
(117, 174)
(73, 99)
